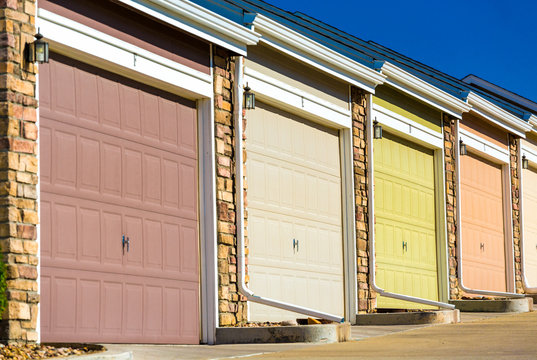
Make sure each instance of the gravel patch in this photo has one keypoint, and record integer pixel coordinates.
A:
(41, 351)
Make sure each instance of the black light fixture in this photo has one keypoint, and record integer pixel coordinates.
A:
(38, 50)
(462, 148)
(249, 98)
(525, 162)
(377, 130)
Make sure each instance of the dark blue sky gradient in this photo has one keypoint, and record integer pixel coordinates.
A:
(495, 40)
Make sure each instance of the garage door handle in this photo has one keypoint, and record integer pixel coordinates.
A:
(482, 246)
(127, 242)
(405, 246)
(295, 246)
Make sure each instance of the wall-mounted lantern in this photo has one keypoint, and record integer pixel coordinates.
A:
(249, 98)
(377, 130)
(462, 148)
(38, 50)
(525, 162)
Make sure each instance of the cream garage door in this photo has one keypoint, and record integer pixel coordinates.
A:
(483, 241)
(405, 229)
(530, 225)
(294, 213)
(118, 161)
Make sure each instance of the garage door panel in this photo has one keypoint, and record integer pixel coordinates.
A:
(405, 221)
(131, 308)
(165, 185)
(167, 121)
(482, 225)
(119, 159)
(530, 225)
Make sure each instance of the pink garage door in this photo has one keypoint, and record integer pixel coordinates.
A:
(483, 241)
(118, 159)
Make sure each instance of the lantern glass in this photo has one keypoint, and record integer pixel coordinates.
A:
(462, 149)
(249, 99)
(525, 162)
(41, 51)
(377, 130)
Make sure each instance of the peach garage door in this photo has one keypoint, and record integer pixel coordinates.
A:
(405, 222)
(482, 225)
(119, 238)
(294, 213)
(530, 225)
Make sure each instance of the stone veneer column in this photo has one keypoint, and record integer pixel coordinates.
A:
(450, 148)
(366, 297)
(18, 171)
(515, 193)
(231, 304)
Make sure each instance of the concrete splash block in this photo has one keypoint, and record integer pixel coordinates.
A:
(327, 333)
(410, 318)
(498, 305)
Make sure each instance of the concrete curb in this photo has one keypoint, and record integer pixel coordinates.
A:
(410, 318)
(499, 305)
(106, 355)
(327, 333)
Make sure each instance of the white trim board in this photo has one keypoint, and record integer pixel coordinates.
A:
(198, 21)
(66, 33)
(484, 147)
(407, 128)
(296, 101)
(304, 49)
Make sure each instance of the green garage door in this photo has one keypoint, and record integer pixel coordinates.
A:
(405, 231)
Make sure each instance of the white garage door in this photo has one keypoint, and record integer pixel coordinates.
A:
(294, 213)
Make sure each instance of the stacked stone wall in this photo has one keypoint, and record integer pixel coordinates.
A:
(18, 171)
(515, 194)
(231, 304)
(450, 167)
(366, 297)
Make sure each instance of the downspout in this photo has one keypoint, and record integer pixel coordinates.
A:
(239, 188)
(459, 234)
(371, 205)
(527, 288)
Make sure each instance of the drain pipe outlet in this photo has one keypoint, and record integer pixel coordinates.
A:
(527, 287)
(459, 236)
(371, 205)
(239, 188)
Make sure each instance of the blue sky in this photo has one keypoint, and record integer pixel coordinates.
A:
(495, 40)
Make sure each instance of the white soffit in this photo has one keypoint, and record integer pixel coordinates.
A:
(198, 21)
(498, 116)
(317, 55)
(424, 91)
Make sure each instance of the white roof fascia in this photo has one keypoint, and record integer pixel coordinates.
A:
(498, 115)
(198, 21)
(424, 91)
(317, 55)
(533, 122)
(474, 80)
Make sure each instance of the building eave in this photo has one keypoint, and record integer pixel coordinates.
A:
(198, 21)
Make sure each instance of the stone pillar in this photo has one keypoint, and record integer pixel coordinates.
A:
(18, 171)
(231, 305)
(450, 147)
(515, 193)
(366, 297)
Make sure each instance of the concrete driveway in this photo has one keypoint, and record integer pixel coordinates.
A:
(499, 337)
